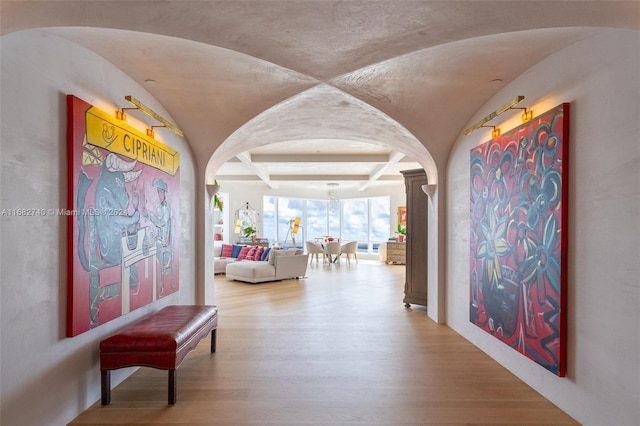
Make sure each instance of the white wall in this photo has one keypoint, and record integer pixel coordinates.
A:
(47, 378)
(600, 77)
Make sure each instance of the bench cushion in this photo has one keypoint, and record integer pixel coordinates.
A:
(161, 340)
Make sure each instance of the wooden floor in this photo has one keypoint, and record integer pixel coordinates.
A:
(336, 348)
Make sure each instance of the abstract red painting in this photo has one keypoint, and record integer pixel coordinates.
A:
(518, 252)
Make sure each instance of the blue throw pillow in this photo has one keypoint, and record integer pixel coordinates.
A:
(235, 251)
(265, 254)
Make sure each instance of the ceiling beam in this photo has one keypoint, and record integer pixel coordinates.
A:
(261, 172)
(319, 158)
(326, 178)
(375, 175)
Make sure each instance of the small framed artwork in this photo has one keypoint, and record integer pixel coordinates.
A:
(402, 215)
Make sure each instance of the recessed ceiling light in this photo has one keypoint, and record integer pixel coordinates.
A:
(496, 80)
(150, 81)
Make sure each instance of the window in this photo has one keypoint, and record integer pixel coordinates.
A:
(269, 217)
(355, 219)
(288, 209)
(333, 223)
(316, 220)
(380, 222)
(366, 220)
(380, 218)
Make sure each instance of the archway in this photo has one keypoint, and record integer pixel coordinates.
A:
(322, 113)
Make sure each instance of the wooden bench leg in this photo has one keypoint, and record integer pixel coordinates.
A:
(172, 387)
(213, 340)
(105, 381)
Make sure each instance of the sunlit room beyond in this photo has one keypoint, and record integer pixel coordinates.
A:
(339, 228)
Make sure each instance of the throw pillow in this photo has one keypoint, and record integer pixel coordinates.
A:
(265, 254)
(227, 250)
(258, 254)
(251, 254)
(243, 252)
(236, 250)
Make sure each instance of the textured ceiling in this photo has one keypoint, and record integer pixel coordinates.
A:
(319, 81)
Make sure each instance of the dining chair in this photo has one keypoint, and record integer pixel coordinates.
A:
(332, 251)
(315, 249)
(349, 249)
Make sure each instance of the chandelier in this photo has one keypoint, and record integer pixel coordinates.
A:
(334, 201)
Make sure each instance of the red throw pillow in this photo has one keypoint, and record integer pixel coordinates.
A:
(227, 249)
(251, 254)
(258, 254)
(243, 252)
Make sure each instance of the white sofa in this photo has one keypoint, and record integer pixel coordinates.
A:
(220, 263)
(282, 265)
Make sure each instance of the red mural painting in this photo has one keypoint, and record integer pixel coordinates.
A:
(518, 238)
(122, 218)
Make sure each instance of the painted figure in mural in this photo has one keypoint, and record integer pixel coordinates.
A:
(111, 196)
(162, 216)
(107, 226)
(162, 220)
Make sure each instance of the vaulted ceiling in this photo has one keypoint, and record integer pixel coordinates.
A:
(320, 91)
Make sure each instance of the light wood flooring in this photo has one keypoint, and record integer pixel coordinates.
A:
(335, 348)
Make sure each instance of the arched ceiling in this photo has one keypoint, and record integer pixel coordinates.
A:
(324, 79)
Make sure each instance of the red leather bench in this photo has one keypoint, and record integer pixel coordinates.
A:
(161, 340)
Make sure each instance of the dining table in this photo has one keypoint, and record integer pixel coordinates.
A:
(331, 257)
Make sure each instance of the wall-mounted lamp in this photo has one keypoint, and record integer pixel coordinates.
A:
(528, 115)
(429, 189)
(212, 189)
(121, 115)
(495, 132)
